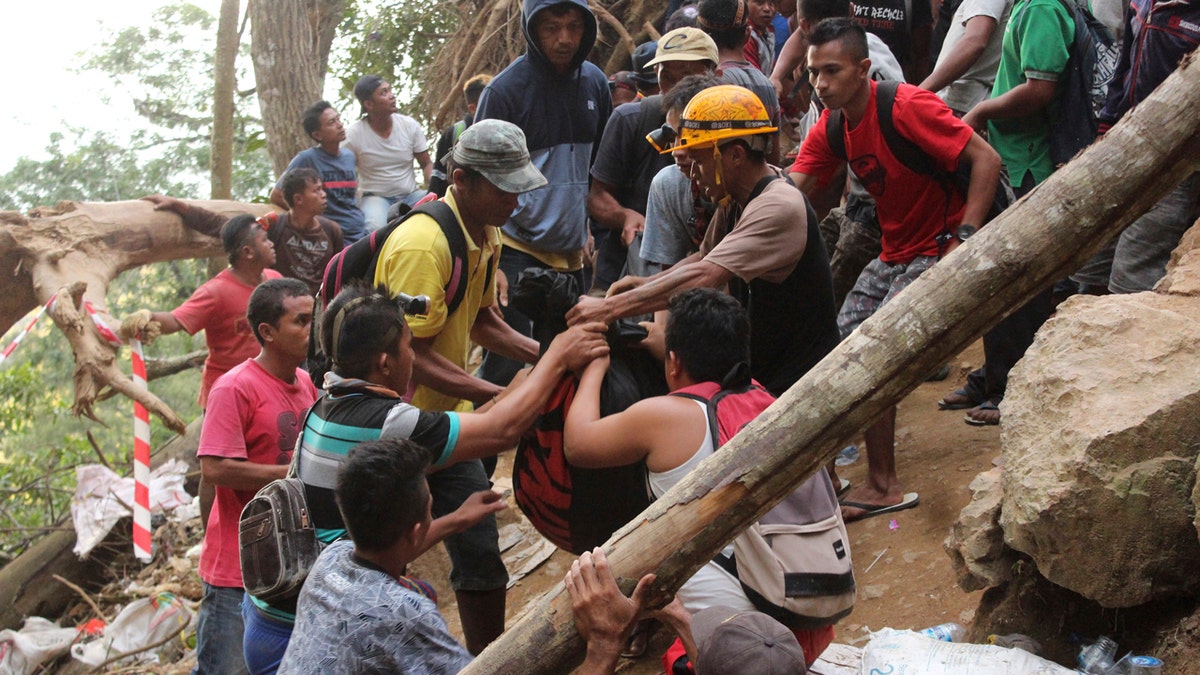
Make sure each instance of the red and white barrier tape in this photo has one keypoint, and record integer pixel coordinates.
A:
(142, 547)
(141, 461)
(21, 336)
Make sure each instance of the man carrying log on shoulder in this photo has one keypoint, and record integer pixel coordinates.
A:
(707, 370)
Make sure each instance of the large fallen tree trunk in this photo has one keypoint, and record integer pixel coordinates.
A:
(75, 250)
(27, 584)
(1044, 237)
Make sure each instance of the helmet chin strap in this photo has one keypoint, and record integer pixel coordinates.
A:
(727, 198)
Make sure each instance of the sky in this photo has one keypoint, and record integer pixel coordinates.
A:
(43, 93)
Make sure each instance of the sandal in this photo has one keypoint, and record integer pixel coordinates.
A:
(959, 399)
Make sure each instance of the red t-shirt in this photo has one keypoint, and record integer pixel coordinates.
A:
(253, 416)
(913, 208)
(218, 308)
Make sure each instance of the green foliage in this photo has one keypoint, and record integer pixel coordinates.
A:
(97, 169)
(396, 39)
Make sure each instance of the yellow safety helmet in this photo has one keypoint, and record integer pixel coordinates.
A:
(720, 113)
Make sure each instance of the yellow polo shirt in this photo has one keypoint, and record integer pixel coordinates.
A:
(416, 260)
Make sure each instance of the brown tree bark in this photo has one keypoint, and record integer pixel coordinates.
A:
(224, 86)
(1045, 236)
(75, 251)
(290, 47)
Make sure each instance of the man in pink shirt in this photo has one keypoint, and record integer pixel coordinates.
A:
(218, 308)
(254, 416)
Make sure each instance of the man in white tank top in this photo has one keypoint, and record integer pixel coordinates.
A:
(707, 346)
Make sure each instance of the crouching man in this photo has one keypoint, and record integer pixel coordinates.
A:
(707, 359)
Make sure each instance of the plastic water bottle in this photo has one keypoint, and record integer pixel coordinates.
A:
(847, 456)
(946, 632)
(1097, 657)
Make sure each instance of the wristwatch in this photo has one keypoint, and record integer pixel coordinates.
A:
(965, 231)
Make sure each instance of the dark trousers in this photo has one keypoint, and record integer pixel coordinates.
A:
(1006, 343)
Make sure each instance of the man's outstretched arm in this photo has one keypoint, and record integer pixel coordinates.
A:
(652, 295)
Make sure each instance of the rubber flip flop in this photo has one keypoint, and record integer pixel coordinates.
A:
(959, 399)
(843, 486)
(910, 500)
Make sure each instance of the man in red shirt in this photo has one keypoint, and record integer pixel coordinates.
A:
(921, 217)
(218, 307)
(254, 417)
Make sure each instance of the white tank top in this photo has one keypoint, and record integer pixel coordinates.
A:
(711, 586)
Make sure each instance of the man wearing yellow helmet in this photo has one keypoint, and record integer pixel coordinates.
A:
(763, 243)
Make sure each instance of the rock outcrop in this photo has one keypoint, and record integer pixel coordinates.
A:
(976, 542)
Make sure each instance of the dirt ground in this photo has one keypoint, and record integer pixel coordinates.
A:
(904, 577)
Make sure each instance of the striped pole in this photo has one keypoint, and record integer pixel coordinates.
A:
(141, 461)
(21, 336)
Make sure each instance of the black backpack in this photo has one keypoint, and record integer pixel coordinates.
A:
(1083, 85)
(360, 260)
(911, 155)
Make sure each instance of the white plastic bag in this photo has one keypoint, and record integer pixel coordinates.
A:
(903, 652)
(143, 622)
(102, 498)
(40, 640)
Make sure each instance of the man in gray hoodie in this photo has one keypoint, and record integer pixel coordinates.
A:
(561, 102)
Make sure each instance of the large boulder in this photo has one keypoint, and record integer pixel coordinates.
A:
(1100, 441)
(976, 542)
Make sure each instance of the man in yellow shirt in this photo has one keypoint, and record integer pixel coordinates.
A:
(488, 167)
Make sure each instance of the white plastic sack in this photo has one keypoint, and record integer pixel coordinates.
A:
(40, 640)
(102, 498)
(143, 622)
(903, 652)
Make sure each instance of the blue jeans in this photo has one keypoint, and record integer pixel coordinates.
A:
(375, 207)
(266, 640)
(219, 632)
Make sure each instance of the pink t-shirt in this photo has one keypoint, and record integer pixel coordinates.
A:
(218, 308)
(254, 416)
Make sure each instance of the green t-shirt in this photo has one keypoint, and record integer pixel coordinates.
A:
(1037, 44)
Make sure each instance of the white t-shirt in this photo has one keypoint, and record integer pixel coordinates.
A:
(385, 165)
(976, 84)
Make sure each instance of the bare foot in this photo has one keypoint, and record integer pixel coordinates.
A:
(863, 502)
(983, 415)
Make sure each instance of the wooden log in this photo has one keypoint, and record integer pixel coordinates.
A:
(1045, 236)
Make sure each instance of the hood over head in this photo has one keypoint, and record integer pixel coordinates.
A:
(530, 8)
